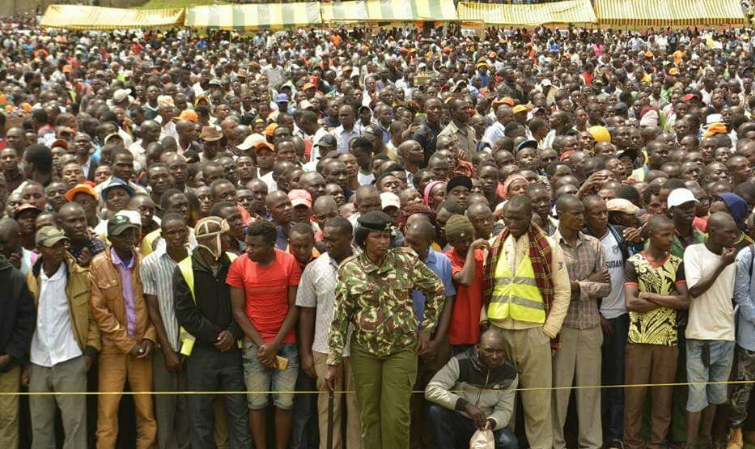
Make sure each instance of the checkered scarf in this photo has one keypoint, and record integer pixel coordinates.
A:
(541, 256)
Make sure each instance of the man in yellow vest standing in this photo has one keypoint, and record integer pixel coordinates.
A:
(209, 335)
(527, 291)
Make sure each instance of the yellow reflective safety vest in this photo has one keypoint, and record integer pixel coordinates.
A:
(184, 266)
(515, 295)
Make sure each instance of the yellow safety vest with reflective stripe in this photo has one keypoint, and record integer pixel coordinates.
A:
(184, 266)
(515, 295)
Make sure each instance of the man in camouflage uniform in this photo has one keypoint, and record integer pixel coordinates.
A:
(374, 293)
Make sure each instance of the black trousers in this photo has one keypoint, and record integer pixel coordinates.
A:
(211, 370)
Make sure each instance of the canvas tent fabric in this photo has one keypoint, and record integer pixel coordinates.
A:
(570, 11)
(80, 17)
(254, 16)
(644, 13)
(389, 11)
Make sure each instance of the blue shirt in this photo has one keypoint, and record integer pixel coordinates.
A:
(439, 264)
(281, 242)
(744, 296)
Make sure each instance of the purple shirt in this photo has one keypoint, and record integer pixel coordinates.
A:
(128, 292)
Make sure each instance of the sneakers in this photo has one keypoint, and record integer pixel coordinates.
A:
(735, 439)
(615, 444)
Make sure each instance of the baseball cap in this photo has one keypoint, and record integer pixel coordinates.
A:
(300, 197)
(26, 207)
(123, 220)
(187, 114)
(251, 141)
(264, 145)
(520, 108)
(677, 197)
(81, 188)
(389, 199)
(60, 143)
(328, 141)
(117, 182)
(281, 98)
(49, 235)
(459, 180)
(622, 205)
(527, 144)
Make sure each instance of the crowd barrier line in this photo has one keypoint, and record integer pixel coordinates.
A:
(573, 387)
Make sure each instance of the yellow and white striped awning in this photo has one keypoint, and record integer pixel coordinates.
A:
(663, 13)
(79, 17)
(570, 11)
(389, 11)
(252, 17)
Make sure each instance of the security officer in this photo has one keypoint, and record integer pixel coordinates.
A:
(374, 293)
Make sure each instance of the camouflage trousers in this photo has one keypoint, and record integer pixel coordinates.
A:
(740, 396)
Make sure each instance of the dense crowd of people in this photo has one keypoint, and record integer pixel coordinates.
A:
(379, 211)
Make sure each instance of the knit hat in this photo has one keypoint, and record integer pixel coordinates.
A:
(458, 227)
(736, 205)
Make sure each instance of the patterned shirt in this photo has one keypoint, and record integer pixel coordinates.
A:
(157, 280)
(317, 289)
(582, 260)
(657, 326)
(94, 245)
(378, 301)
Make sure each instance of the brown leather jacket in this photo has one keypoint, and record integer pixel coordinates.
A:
(109, 307)
(77, 290)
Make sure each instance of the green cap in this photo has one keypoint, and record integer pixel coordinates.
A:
(49, 236)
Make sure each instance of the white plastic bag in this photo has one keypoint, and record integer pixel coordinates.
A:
(482, 439)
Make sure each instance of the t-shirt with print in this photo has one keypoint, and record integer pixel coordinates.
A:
(613, 305)
(266, 291)
(657, 326)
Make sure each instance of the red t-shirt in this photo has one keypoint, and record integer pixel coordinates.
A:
(266, 290)
(465, 319)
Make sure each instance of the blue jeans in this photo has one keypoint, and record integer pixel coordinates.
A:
(708, 361)
(260, 378)
(452, 430)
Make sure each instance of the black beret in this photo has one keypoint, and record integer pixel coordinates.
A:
(376, 221)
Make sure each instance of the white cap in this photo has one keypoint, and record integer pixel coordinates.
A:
(677, 197)
(546, 82)
(251, 141)
(714, 118)
(389, 199)
(121, 94)
(305, 104)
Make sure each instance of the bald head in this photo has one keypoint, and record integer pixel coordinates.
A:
(422, 230)
(567, 203)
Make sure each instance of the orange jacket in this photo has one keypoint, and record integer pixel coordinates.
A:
(109, 307)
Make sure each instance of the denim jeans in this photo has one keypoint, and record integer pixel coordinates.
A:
(613, 374)
(452, 430)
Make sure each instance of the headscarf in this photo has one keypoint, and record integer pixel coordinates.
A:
(428, 191)
(513, 177)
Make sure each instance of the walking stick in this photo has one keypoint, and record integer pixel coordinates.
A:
(331, 405)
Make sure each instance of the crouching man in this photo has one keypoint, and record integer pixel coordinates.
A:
(483, 384)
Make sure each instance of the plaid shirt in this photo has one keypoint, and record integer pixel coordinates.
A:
(582, 260)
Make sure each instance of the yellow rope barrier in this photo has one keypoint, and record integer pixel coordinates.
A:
(161, 393)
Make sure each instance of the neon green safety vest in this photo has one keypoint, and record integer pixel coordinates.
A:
(515, 295)
(184, 266)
